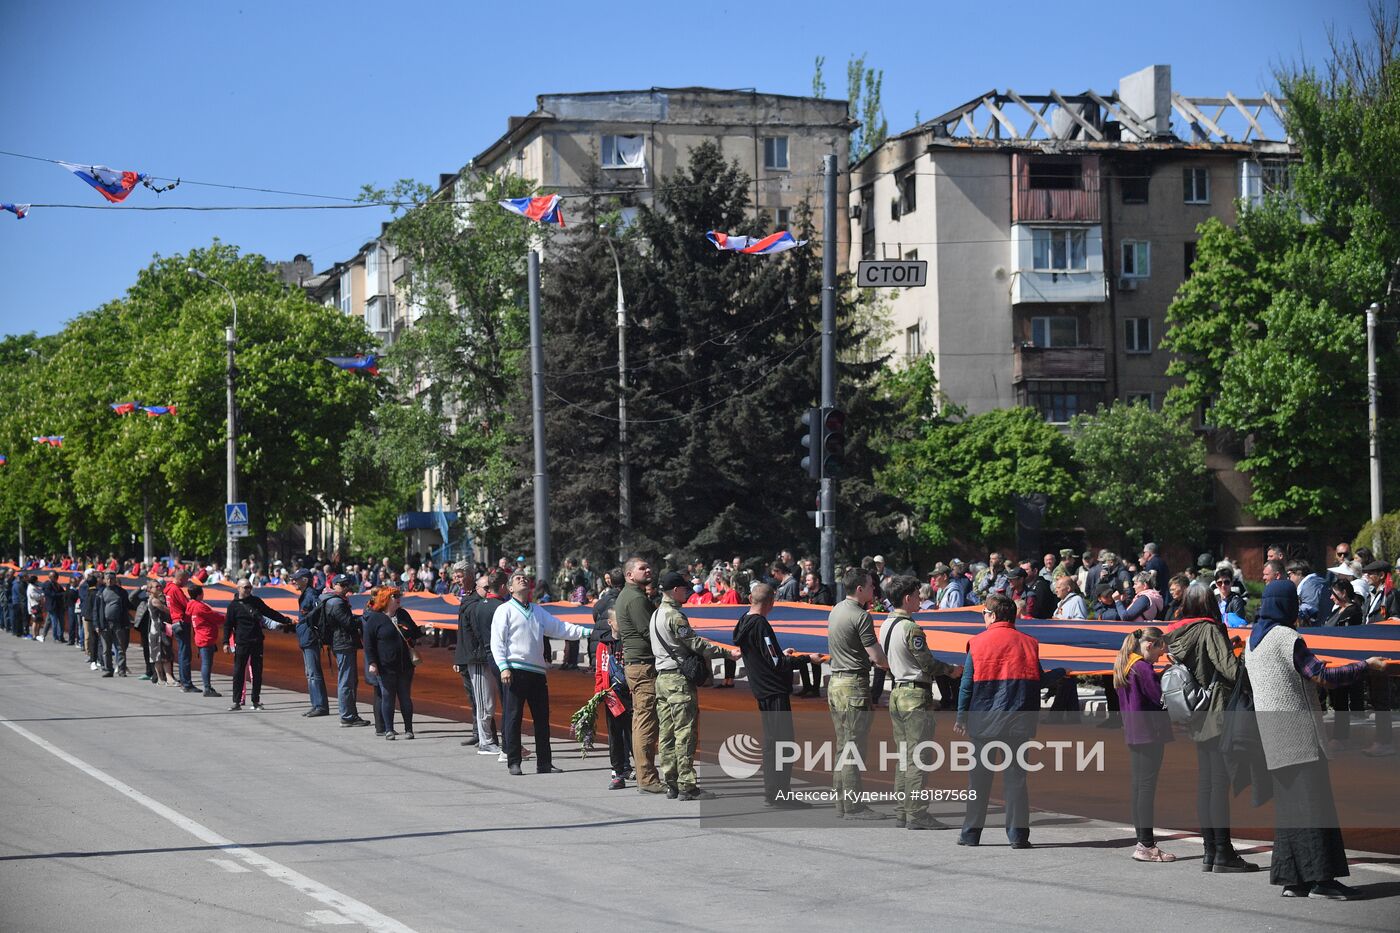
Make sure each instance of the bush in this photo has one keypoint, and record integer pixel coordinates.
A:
(1389, 525)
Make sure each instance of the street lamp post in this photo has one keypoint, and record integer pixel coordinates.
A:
(1373, 425)
(230, 542)
(624, 490)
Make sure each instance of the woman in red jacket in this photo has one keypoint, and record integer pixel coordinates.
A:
(207, 622)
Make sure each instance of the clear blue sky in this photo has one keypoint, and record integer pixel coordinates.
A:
(323, 97)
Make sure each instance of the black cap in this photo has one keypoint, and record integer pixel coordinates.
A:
(1015, 573)
(1376, 566)
(342, 579)
(670, 580)
(302, 575)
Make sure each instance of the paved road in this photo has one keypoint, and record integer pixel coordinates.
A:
(125, 806)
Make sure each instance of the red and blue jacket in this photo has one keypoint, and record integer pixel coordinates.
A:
(1001, 674)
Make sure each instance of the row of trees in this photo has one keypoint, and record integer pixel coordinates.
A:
(162, 344)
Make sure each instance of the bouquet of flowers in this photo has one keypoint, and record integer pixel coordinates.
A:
(582, 722)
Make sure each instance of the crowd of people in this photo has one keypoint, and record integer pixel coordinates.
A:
(648, 664)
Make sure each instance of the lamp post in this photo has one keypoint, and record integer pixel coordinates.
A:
(230, 542)
(624, 490)
(1373, 425)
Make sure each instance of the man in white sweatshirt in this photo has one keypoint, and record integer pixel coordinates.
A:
(517, 644)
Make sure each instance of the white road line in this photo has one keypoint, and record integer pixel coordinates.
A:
(229, 866)
(342, 904)
(327, 917)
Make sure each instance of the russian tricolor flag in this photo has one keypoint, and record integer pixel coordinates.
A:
(124, 408)
(779, 242)
(53, 440)
(110, 183)
(19, 210)
(543, 210)
(3, 461)
(363, 363)
(155, 411)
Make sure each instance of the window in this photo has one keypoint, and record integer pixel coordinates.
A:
(1146, 398)
(1058, 250)
(1055, 331)
(1137, 259)
(1195, 183)
(1056, 176)
(867, 223)
(1133, 186)
(775, 152)
(1137, 335)
(905, 185)
(911, 255)
(1059, 407)
(782, 217)
(624, 151)
(1190, 256)
(345, 292)
(372, 272)
(913, 346)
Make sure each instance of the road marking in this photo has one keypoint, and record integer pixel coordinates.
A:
(229, 866)
(328, 918)
(342, 904)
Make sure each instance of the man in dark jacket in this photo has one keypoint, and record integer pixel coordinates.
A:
(87, 591)
(461, 656)
(338, 623)
(243, 620)
(769, 672)
(634, 628)
(114, 621)
(309, 640)
(481, 666)
(54, 605)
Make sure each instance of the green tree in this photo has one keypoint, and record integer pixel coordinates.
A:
(1144, 472)
(1268, 332)
(863, 96)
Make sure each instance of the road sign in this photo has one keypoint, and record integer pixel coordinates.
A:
(892, 273)
(236, 514)
(238, 531)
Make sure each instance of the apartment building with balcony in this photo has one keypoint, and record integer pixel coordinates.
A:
(1057, 228)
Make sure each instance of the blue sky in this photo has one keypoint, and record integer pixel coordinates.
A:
(323, 97)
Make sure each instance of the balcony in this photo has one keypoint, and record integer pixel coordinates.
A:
(1061, 189)
(1076, 364)
(1057, 263)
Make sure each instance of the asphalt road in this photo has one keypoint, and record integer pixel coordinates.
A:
(125, 806)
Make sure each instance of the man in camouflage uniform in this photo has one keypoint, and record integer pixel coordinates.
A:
(850, 634)
(1065, 568)
(911, 701)
(677, 706)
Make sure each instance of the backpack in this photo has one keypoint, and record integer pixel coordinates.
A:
(1185, 700)
(315, 622)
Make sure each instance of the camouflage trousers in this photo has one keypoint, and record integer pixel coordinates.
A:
(848, 696)
(911, 720)
(678, 713)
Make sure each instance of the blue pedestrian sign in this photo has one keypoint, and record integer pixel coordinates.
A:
(236, 513)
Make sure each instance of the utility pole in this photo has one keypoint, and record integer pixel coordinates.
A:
(1373, 427)
(828, 400)
(542, 570)
(230, 541)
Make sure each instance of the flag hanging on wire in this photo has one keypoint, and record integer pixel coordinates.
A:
(19, 210)
(53, 440)
(779, 242)
(124, 408)
(111, 184)
(155, 411)
(362, 363)
(543, 210)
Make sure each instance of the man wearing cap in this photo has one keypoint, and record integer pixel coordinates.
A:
(309, 641)
(854, 651)
(1065, 568)
(677, 705)
(338, 623)
(882, 573)
(517, 645)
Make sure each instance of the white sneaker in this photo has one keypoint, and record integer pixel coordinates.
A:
(488, 748)
(39, 638)
(92, 665)
(524, 754)
(501, 756)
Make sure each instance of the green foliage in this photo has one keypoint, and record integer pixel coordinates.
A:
(863, 95)
(1144, 472)
(163, 343)
(818, 82)
(1269, 332)
(959, 473)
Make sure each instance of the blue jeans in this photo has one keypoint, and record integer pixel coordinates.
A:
(55, 624)
(182, 642)
(206, 663)
(347, 680)
(315, 680)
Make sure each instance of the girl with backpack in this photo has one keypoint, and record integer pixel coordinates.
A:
(1146, 729)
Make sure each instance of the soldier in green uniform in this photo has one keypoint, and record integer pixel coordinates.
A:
(850, 634)
(1066, 567)
(677, 706)
(911, 701)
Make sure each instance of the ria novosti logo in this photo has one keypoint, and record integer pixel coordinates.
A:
(741, 756)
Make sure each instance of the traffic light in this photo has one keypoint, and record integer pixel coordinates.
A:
(812, 442)
(833, 441)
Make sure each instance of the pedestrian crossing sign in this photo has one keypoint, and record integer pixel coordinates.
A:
(236, 513)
